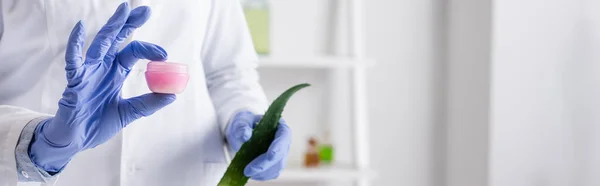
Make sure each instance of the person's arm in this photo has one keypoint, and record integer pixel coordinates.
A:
(230, 63)
(16, 131)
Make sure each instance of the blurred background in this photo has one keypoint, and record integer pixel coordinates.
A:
(435, 92)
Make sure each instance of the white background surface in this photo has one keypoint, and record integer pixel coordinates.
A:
(545, 99)
(465, 92)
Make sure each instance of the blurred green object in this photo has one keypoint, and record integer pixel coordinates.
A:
(326, 149)
(326, 154)
(258, 17)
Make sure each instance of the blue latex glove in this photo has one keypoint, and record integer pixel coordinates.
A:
(91, 110)
(268, 165)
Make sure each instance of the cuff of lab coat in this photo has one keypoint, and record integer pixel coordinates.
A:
(27, 170)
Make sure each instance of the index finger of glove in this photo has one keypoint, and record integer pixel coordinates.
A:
(137, 18)
(107, 33)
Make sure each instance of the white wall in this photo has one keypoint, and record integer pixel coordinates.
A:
(545, 100)
(585, 95)
(529, 144)
(404, 91)
(523, 93)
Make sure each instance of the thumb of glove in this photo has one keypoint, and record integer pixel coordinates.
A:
(144, 105)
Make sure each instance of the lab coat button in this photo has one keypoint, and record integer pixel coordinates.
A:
(25, 174)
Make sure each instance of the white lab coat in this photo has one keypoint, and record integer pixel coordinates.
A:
(180, 145)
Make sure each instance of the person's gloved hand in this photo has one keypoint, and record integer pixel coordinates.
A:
(269, 165)
(91, 110)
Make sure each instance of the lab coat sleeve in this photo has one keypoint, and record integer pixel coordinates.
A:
(27, 171)
(230, 63)
(12, 123)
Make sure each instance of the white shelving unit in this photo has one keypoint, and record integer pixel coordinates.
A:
(355, 63)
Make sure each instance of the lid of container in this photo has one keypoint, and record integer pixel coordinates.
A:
(163, 66)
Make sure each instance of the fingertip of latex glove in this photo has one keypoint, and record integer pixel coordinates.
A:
(146, 105)
(240, 129)
(271, 173)
(238, 133)
(121, 14)
(77, 35)
(266, 177)
(123, 5)
(123, 9)
(74, 52)
(150, 51)
(79, 24)
(243, 133)
(105, 37)
(261, 165)
(139, 16)
(141, 10)
(284, 132)
(164, 99)
(280, 145)
(141, 50)
(278, 150)
(256, 166)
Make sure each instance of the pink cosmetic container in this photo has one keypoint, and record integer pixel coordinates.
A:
(167, 77)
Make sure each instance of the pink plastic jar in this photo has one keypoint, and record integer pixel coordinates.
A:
(167, 77)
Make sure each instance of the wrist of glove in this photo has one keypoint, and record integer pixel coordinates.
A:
(269, 165)
(49, 156)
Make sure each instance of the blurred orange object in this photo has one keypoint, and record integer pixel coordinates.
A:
(311, 158)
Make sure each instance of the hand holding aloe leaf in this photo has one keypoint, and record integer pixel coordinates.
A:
(262, 137)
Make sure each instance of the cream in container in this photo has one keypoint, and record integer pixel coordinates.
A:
(167, 77)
